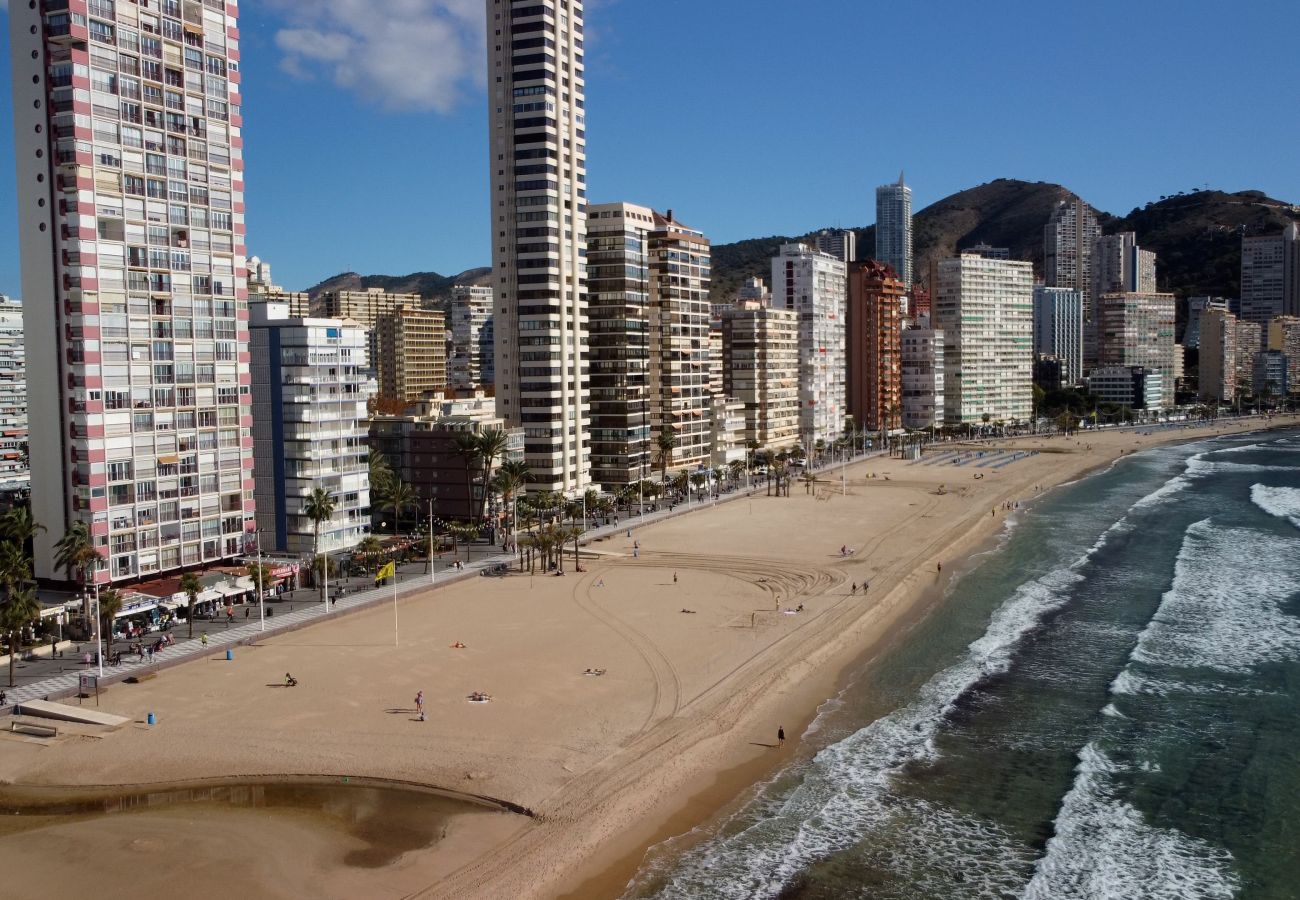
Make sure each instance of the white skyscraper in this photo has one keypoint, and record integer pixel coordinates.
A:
(539, 222)
(1058, 329)
(815, 286)
(894, 228)
(984, 307)
(131, 196)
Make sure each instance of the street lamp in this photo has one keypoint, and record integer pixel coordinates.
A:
(261, 588)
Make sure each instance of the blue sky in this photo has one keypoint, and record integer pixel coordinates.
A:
(366, 136)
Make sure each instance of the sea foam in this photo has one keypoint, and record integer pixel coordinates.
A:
(845, 793)
(1283, 502)
(1103, 849)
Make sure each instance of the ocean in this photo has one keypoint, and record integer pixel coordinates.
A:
(1107, 705)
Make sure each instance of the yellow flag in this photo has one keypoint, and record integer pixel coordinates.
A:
(387, 571)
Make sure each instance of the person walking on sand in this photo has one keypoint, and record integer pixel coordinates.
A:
(780, 736)
(853, 588)
(939, 567)
(674, 578)
(419, 705)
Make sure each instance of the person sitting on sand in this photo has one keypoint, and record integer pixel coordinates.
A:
(289, 680)
(458, 646)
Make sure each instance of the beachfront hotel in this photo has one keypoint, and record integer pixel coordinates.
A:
(760, 368)
(1137, 330)
(130, 175)
(814, 286)
(471, 363)
(537, 123)
(618, 296)
(680, 273)
(922, 355)
(875, 381)
(984, 307)
(310, 388)
(894, 228)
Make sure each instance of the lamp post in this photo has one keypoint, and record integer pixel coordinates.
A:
(261, 588)
(99, 626)
(432, 574)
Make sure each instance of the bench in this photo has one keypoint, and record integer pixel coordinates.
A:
(33, 729)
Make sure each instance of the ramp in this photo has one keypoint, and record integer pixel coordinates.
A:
(44, 709)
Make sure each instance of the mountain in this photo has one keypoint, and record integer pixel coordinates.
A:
(1196, 236)
(429, 285)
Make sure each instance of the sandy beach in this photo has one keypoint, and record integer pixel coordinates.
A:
(703, 657)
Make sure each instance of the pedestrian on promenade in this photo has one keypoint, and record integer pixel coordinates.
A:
(780, 736)
(204, 639)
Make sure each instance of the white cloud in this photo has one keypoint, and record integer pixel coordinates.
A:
(407, 55)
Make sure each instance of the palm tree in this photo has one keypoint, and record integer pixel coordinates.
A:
(666, 442)
(512, 478)
(401, 498)
(492, 443)
(466, 446)
(19, 609)
(110, 604)
(369, 549)
(319, 508)
(18, 525)
(809, 479)
(192, 587)
(699, 480)
(75, 552)
(261, 576)
(381, 476)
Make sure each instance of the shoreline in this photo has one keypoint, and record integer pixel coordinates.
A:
(678, 730)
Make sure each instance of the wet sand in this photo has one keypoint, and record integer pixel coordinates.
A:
(681, 722)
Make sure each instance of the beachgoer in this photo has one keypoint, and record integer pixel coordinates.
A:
(940, 566)
(289, 680)
(203, 639)
(419, 704)
(674, 578)
(780, 736)
(853, 588)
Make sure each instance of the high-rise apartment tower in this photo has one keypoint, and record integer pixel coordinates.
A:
(128, 126)
(894, 228)
(538, 141)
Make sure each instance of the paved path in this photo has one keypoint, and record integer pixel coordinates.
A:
(56, 678)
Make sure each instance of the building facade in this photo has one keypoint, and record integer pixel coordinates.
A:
(874, 389)
(618, 297)
(1137, 330)
(1120, 266)
(1284, 335)
(14, 473)
(1218, 350)
(815, 287)
(1270, 275)
(127, 125)
(1270, 379)
(310, 388)
(1058, 329)
(680, 274)
(843, 245)
(1196, 307)
(894, 229)
(1136, 387)
(420, 448)
(760, 365)
(538, 139)
(412, 353)
(923, 394)
(471, 365)
(1069, 239)
(984, 307)
(1250, 340)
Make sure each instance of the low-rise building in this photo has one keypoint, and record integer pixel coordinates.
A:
(309, 387)
(1270, 377)
(1136, 387)
(420, 447)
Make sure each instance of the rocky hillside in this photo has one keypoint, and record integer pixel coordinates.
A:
(429, 285)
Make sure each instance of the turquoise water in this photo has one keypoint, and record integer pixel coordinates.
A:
(1108, 706)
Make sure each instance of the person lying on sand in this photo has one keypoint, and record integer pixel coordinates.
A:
(691, 611)
(458, 646)
(593, 672)
(479, 697)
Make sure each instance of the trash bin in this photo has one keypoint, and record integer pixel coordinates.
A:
(230, 654)
(151, 720)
